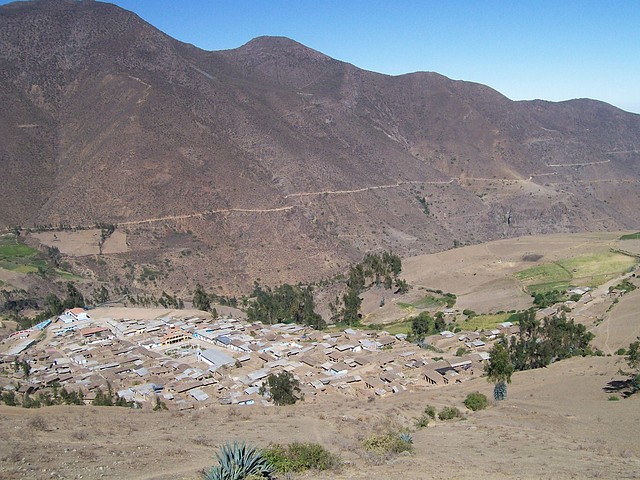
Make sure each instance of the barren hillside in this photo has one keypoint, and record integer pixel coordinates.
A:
(274, 161)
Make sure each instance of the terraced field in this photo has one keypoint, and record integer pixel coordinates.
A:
(590, 270)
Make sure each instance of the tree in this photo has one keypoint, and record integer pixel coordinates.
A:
(74, 297)
(499, 370)
(633, 360)
(100, 295)
(201, 299)
(283, 388)
(476, 401)
(53, 304)
(421, 326)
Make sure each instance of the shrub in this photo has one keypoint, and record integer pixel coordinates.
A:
(621, 351)
(476, 401)
(449, 413)
(614, 398)
(239, 461)
(298, 457)
(430, 411)
(423, 421)
(461, 351)
(386, 444)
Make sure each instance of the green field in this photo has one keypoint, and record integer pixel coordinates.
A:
(21, 258)
(486, 322)
(10, 249)
(586, 270)
(428, 301)
(402, 326)
(631, 236)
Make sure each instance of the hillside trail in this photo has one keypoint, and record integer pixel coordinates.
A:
(317, 193)
(205, 213)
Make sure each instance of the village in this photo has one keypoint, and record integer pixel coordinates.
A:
(188, 362)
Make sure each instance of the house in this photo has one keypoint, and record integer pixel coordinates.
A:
(433, 378)
(216, 358)
(93, 331)
(77, 314)
(339, 369)
(174, 336)
(386, 341)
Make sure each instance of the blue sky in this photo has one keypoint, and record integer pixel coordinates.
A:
(549, 49)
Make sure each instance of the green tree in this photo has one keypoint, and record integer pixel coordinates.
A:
(283, 388)
(74, 297)
(53, 305)
(421, 326)
(499, 370)
(201, 299)
(633, 360)
(100, 295)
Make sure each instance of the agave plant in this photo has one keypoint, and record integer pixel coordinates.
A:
(406, 437)
(500, 391)
(239, 461)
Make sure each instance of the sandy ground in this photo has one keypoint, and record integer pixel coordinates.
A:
(83, 242)
(134, 313)
(621, 326)
(556, 423)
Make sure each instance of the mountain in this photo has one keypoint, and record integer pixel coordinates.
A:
(277, 162)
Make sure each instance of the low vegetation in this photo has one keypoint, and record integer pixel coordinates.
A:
(299, 457)
(624, 286)
(592, 269)
(431, 300)
(631, 236)
(449, 413)
(387, 444)
(18, 257)
(489, 321)
(476, 401)
(239, 462)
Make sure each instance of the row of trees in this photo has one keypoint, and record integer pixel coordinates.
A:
(285, 303)
(375, 269)
(538, 344)
(295, 303)
(165, 300)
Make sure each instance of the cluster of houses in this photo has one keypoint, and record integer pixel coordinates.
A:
(189, 362)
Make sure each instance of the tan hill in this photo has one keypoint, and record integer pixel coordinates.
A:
(274, 161)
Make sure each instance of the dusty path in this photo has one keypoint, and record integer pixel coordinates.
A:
(208, 212)
(459, 180)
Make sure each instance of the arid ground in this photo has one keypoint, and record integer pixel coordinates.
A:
(556, 423)
(564, 421)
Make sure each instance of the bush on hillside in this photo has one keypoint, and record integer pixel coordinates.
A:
(476, 401)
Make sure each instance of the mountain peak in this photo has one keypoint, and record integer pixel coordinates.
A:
(280, 46)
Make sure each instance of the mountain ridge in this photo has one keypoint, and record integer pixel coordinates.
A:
(283, 163)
